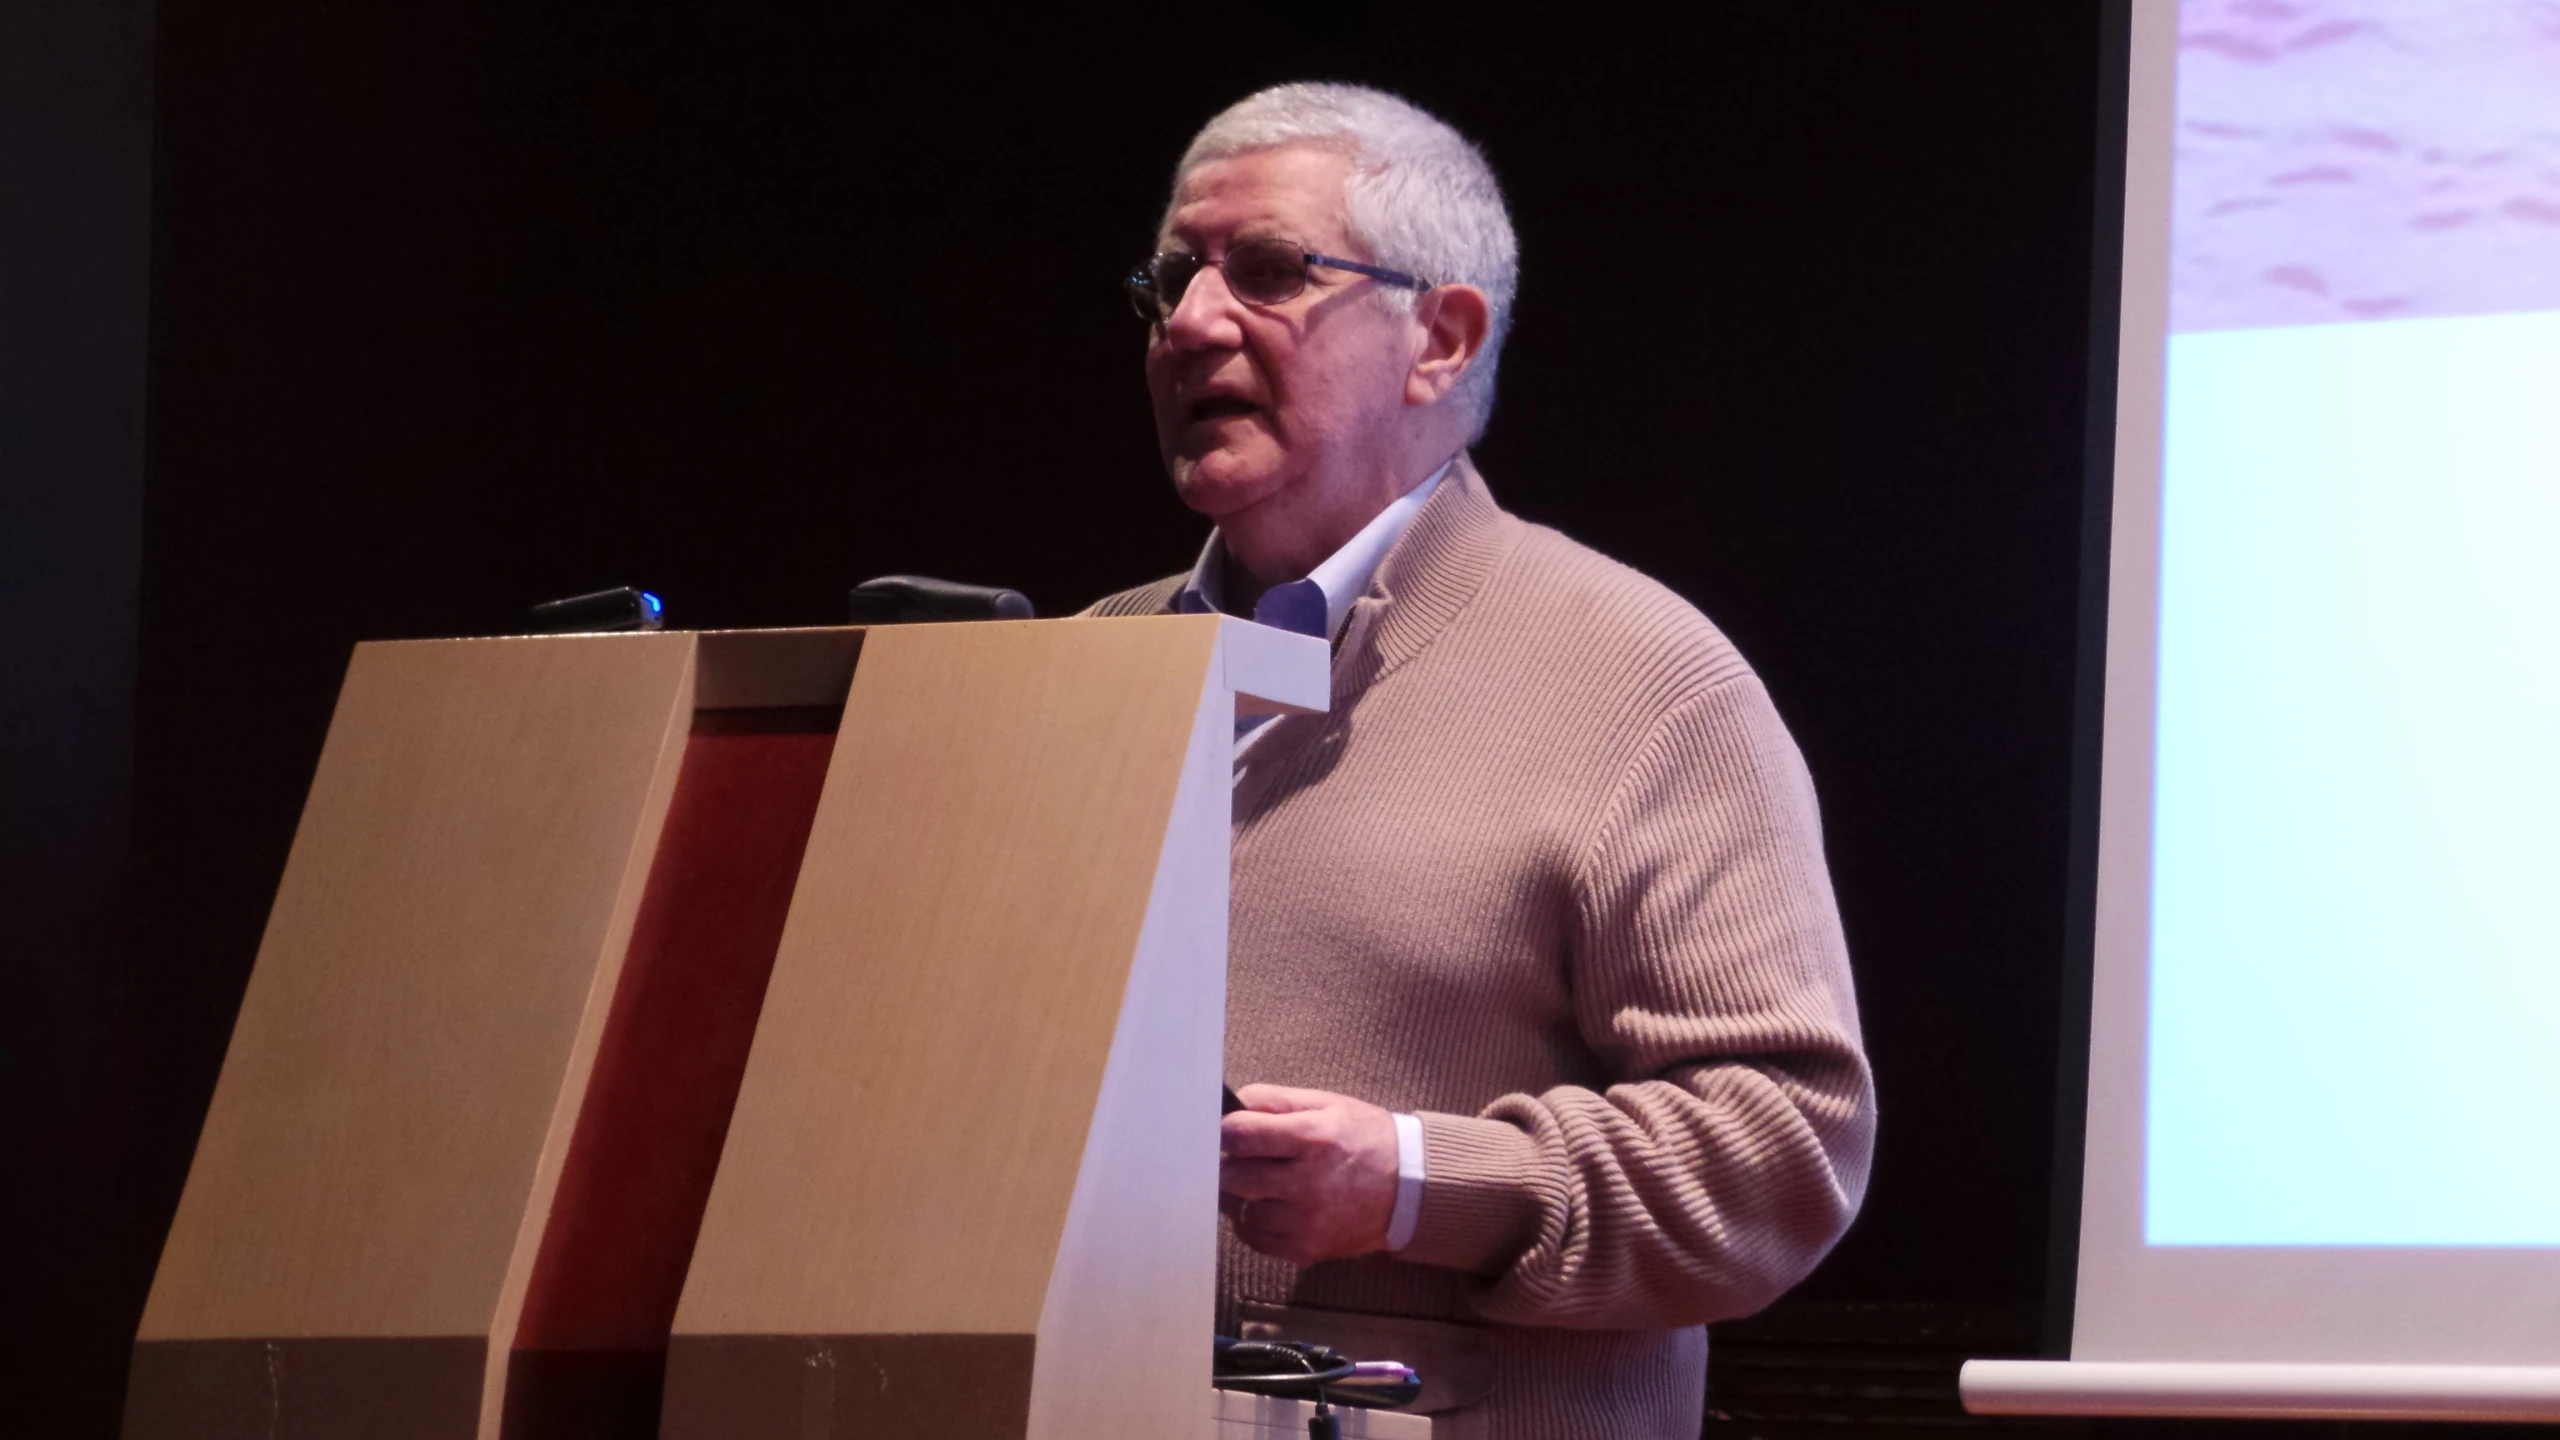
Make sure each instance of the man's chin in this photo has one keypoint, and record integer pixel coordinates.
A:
(1219, 484)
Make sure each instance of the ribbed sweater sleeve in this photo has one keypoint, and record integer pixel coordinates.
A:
(1709, 976)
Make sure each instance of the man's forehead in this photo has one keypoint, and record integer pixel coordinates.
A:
(1289, 190)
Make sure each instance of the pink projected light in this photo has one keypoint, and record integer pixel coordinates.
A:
(2346, 160)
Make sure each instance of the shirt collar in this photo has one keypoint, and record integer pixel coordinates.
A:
(1318, 604)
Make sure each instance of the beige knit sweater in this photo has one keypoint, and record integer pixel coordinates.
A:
(1550, 874)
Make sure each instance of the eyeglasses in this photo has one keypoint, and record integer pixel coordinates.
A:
(1259, 272)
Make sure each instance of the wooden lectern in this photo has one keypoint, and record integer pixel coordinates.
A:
(822, 1025)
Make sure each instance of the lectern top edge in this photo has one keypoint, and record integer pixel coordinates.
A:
(1271, 672)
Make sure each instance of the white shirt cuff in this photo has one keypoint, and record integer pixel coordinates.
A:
(1408, 1211)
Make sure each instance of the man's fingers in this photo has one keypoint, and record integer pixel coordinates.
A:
(1283, 1099)
(1256, 1180)
(1266, 1134)
(1272, 1227)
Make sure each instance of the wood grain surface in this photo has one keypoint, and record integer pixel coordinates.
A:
(589, 1348)
(1120, 1348)
(465, 871)
(913, 1117)
(979, 1107)
(373, 1175)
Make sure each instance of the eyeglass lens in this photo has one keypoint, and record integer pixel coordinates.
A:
(1266, 272)
(1258, 272)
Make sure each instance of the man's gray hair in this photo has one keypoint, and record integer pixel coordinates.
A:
(1420, 197)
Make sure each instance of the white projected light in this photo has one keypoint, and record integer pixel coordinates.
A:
(2323, 1171)
(2355, 970)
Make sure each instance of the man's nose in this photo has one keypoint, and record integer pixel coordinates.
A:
(1206, 315)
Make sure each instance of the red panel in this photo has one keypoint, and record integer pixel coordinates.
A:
(640, 1165)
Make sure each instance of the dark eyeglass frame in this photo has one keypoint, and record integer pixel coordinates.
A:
(1147, 289)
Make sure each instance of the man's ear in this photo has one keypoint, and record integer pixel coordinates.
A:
(1453, 320)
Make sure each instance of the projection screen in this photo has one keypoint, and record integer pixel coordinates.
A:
(2323, 1129)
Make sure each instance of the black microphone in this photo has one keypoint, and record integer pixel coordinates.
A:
(902, 599)
(603, 611)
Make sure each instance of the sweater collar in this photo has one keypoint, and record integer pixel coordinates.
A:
(1435, 569)
(1437, 566)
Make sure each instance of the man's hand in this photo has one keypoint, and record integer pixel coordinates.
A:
(1308, 1175)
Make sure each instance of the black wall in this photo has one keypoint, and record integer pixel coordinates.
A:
(458, 307)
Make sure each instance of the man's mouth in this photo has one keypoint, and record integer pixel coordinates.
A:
(1217, 407)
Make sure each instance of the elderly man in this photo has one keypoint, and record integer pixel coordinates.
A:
(1535, 963)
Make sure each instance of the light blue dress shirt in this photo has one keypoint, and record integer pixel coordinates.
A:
(1319, 604)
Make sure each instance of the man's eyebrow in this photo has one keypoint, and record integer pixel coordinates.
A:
(1177, 239)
